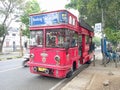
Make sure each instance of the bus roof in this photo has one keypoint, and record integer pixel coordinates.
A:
(58, 17)
(85, 25)
(51, 12)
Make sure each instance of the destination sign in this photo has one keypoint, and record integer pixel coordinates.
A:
(49, 19)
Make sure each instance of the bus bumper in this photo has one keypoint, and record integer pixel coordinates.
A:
(49, 70)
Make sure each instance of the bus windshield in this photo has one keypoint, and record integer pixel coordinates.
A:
(36, 38)
(56, 37)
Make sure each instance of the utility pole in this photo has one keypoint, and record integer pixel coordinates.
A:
(21, 47)
(103, 44)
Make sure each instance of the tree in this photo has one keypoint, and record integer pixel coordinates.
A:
(2, 31)
(92, 10)
(7, 8)
(80, 5)
(30, 8)
(113, 36)
(97, 41)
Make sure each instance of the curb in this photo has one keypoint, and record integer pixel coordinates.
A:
(9, 58)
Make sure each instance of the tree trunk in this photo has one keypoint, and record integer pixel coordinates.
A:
(0, 47)
(5, 28)
(1, 43)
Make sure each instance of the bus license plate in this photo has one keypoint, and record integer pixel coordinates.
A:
(41, 69)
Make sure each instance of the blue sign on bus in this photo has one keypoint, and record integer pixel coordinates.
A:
(49, 19)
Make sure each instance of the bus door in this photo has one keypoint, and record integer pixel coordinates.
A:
(85, 48)
(80, 45)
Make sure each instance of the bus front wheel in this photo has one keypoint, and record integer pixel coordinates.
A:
(73, 68)
(69, 74)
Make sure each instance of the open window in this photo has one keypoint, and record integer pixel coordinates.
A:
(36, 38)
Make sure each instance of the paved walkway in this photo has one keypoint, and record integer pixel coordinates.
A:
(93, 77)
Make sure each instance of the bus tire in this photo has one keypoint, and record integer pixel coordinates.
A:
(69, 74)
(88, 62)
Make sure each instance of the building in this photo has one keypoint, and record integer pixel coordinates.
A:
(12, 40)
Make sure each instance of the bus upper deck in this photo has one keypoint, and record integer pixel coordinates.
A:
(59, 19)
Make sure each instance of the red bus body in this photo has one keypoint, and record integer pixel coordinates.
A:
(58, 61)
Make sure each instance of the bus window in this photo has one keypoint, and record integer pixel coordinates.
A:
(80, 39)
(74, 39)
(56, 37)
(80, 45)
(87, 39)
(36, 38)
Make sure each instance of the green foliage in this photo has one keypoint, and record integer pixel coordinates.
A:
(7, 9)
(2, 31)
(30, 7)
(112, 35)
(113, 15)
(80, 5)
(97, 41)
(92, 10)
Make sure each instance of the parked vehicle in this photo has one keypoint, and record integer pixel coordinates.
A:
(26, 59)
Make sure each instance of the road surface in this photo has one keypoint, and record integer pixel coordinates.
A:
(13, 76)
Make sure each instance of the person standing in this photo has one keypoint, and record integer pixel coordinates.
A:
(109, 48)
(14, 46)
(25, 44)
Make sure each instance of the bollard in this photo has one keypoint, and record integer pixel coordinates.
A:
(116, 62)
(93, 60)
(104, 60)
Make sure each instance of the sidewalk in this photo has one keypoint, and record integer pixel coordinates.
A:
(96, 77)
(9, 55)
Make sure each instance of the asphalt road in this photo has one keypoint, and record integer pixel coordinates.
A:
(15, 77)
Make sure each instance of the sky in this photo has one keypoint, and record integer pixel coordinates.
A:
(51, 5)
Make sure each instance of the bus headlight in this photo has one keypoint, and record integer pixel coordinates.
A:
(31, 55)
(57, 58)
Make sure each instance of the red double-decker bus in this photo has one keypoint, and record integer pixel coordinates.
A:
(59, 44)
